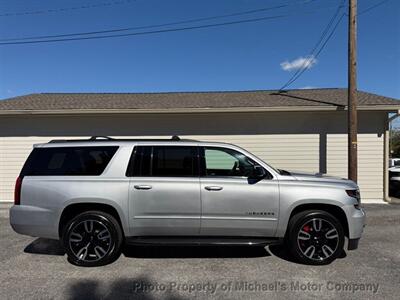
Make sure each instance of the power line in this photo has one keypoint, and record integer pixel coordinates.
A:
(61, 38)
(263, 9)
(305, 65)
(145, 32)
(372, 7)
(21, 41)
(319, 51)
(63, 9)
(147, 26)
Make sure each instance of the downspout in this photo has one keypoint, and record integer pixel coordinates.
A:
(386, 156)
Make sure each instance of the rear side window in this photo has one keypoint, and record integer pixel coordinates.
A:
(64, 161)
(164, 161)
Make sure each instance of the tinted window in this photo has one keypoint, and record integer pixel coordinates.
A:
(140, 162)
(227, 162)
(164, 161)
(68, 161)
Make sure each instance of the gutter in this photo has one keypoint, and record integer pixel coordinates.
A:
(387, 108)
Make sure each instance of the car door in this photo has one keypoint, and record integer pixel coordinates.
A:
(164, 191)
(234, 202)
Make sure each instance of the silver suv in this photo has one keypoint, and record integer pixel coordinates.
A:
(97, 195)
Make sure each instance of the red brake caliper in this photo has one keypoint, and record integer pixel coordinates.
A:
(307, 229)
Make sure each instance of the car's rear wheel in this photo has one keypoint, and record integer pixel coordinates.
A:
(92, 238)
(315, 237)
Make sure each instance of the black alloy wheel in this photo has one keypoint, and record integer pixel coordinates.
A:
(315, 237)
(92, 238)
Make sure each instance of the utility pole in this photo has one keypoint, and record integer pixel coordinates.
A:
(352, 92)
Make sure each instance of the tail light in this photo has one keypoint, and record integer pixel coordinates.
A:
(17, 191)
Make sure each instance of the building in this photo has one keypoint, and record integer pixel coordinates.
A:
(293, 130)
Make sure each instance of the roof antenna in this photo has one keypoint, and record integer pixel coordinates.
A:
(175, 138)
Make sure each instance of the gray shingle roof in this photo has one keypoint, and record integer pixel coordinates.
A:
(191, 100)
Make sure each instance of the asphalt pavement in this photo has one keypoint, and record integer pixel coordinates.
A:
(33, 268)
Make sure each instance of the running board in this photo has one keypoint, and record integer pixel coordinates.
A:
(200, 241)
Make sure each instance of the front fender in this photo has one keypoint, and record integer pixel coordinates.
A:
(285, 217)
(294, 194)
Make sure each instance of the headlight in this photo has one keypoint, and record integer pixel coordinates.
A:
(354, 194)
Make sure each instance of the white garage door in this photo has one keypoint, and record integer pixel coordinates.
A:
(285, 151)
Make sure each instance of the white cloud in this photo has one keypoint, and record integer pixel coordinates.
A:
(298, 63)
(308, 87)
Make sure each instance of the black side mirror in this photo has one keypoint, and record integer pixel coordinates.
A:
(259, 172)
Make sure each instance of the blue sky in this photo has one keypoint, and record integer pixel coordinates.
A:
(236, 57)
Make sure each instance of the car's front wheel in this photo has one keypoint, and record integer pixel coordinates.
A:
(92, 238)
(315, 237)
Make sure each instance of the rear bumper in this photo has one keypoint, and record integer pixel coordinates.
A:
(34, 221)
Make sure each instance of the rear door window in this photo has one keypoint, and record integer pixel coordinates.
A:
(164, 161)
(64, 161)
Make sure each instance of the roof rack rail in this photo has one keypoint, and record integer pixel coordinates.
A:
(99, 137)
(92, 138)
(175, 138)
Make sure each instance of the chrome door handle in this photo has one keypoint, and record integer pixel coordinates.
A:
(143, 187)
(213, 188)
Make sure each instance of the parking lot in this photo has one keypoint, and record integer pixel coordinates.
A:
(37, 268)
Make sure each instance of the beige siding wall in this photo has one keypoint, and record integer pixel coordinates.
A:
(295, 152)
(13, 153)
(285, 151)
(314, 142)
(370, 161)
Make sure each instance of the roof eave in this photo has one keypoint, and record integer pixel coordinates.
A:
(387, 108)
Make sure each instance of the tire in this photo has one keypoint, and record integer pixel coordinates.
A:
(92, 238)
(315, 237)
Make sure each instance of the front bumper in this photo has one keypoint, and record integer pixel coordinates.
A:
(356, 222)
(34, 221)
(353, 244)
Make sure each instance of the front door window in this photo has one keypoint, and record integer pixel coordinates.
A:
(227, 163)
